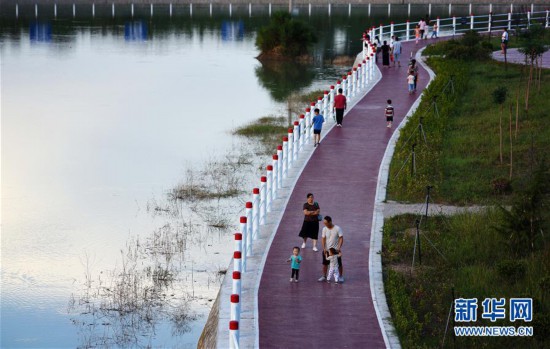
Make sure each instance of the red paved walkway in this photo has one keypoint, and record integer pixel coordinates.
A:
(342, 173)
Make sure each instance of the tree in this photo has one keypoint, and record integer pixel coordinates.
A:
(499, 97)
(284, 37)
(532, 46)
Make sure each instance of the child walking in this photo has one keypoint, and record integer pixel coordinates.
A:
(410, 81)
(417, 33)
(332, 257)
(318, 120)
(389, 114)
(295, 260)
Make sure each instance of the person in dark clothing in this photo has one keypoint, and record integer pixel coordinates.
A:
(386, 54)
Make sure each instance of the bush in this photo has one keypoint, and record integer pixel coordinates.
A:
(511, 270)
(285, 36)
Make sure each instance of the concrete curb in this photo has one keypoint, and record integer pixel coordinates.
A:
(375, 258)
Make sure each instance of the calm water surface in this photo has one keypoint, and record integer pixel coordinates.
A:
(100, 119)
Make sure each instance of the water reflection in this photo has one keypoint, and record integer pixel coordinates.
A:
(232, 31)
(135, 31)
(40, 32)
(281, 79)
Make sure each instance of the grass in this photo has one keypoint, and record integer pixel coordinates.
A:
(461, 159)
(496, 253)
(477, 265)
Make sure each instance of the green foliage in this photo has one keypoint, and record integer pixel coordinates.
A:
(461, 159)
(524, 224)
(475, 265)
(499, 95)
(532, 43)
(470, 47)
(285, 35)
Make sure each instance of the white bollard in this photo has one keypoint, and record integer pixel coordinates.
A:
(237, 255)
(354, 82)
(391, 29)
(236, 287)
(263, 204)
(331, 103)
(509, 21)
(235, 307)
(275, 184)
(309, 126)
(249, 208)
(255, 212)
(512, 8)
(311, 115)
(246, 239)
(233, 334)
(360, 76)
(438, 26)
(528, 19)
(285, 157)
(290, 156)
(302, 129)
(269, 190)
(296, 146)
(407, 30)
(381, 32)
(471, 21)
(345, 86)
(326, 104)
(546, 22)
(280, 167)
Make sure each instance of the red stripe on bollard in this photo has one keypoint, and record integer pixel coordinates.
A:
(236, 275)
(332, 87)
(308, 110)
(313, 104)
(263, 179)
(237, 255)
(326, 92)
(279, 147)
(234, 298)
(269, 168)
(248, 204)
(338, 82)
(290, 130)
(296, 123)
(302, 116)
(256, 191)
(285, 139)
(238, 236)
(233, 325)
(275, 156)
(243, 219)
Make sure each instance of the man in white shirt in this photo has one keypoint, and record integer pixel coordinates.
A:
(504, 41)
(332, 237)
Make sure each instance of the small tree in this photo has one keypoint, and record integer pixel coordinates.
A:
(499, 97)
(532, 46)
(285, 36)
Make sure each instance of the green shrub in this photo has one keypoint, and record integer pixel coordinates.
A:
(511, 270)
(285, 36)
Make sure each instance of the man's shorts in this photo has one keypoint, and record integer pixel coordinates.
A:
(327, 262)
(316, 132)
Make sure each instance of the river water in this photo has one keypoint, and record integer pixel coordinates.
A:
(101, 118)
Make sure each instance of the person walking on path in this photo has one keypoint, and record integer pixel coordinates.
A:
(386, 54)
(422, 27)
(413, 69)
(435, 28)
(504, 41)
(396, 51)
(295, 260)
(310, 227)
(332, 237)
(318, 121)
(417, 33)
(340, 104)
(389, 114)
(410, 82)
(332, 256)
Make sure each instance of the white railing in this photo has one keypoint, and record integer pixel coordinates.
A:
(298, 140)
(457, 25)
